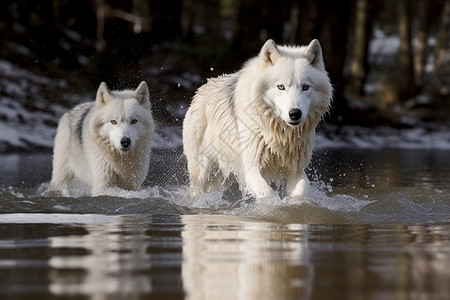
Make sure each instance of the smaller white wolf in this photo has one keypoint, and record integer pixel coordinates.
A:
(258, 124)
(104, 144)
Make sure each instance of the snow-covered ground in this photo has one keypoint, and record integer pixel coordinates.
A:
(29, 115)
(430, 136)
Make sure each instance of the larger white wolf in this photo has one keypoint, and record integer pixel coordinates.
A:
(258, 123)
(106, 143)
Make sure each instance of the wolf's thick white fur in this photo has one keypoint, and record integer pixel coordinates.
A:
(248, 123)
(104, 144)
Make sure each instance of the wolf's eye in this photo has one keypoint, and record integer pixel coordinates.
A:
(114, 122)
(305, 87)
(134, 121)
(280, 87)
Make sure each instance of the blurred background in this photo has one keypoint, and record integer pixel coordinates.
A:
(389, 60)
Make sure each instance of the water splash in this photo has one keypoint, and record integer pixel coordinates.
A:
(323, 206)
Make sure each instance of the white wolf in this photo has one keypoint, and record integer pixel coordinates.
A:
(106, 143)
(258, 123)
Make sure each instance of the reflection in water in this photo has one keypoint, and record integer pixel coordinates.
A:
(219, 257)
(230, 259)
(429, 258)
(391, 262)
(116, 253)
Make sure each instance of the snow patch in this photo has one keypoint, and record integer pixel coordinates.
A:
(383, 137)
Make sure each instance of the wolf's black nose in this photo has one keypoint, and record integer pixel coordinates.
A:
(125, 142)
(295, 114)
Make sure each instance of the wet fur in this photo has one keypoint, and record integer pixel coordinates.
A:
(233, 128)
(85, 156)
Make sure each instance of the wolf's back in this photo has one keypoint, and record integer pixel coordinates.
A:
(76, 118)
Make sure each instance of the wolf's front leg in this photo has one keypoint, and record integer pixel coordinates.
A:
(257, 185)
(103, 177)
(98, 189)
(298, 186)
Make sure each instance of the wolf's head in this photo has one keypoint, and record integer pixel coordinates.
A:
(293, 81)
(122, 118)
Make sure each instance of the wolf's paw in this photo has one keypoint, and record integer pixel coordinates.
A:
(266, 194)
(195, 192)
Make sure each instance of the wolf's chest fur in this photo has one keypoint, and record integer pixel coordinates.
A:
(279, 144)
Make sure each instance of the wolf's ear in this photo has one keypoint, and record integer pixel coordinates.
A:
(269, 54)
(141, 94)
(103, 94)
(314, 55)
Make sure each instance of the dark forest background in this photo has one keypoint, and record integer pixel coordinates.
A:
(389, 61)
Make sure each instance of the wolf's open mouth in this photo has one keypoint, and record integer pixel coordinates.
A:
(294, 123)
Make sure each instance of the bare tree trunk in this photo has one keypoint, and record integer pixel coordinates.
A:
(246, 38)
(332, 30)
(100, 10)
(405, 72)
(294, 21)
(357, 70)
(309, 25)
(443, 34)
(440, 78)
(420, 54)
(274, 26)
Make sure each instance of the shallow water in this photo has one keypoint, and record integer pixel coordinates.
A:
(376, 226)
